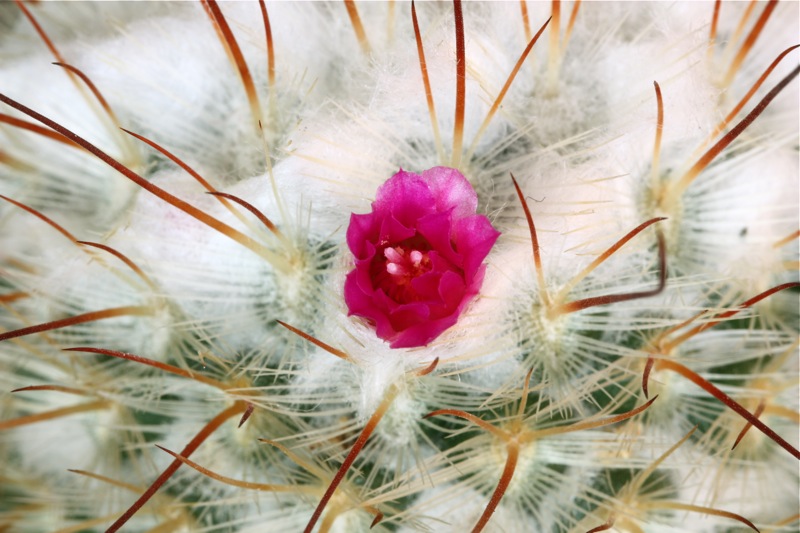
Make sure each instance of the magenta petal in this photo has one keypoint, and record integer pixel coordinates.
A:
(393, 231)
(451, 290)
(406, 196)
(437, 231)
(474, 237)
(423, 333)
(409, 315)
(451, 191)
(362, 231)
(427, 286)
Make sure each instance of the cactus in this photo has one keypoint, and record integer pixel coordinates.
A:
(176, 352)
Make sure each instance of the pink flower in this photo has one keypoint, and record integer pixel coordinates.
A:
(418, 256)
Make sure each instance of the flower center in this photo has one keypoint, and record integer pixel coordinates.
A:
(397, 265)
(403, 263)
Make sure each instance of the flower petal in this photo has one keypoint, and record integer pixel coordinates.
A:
(451, 191)
(474, 237)
(406, 196)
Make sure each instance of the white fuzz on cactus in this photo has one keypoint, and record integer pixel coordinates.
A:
(219, 313)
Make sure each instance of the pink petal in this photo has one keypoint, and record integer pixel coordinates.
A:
(474, 237)
(406, 196)
(437, 229)
(363, 229)
(451, 191)
(423, 333)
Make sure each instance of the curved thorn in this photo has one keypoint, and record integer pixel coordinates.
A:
(500, 489)
(757, 413)
(461, 85)
(537, 261)
(313, 340)
(471, 418)
(580, 305)
(600, 259)
(648, 367)
(187, 451)
(605, 526)
(370, 426)
(131, 310)
(428, 369)
(150, 362)
(694, 377)
(247, 412)
(38, 214)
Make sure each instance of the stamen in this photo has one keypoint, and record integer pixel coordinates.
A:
(394, 255)
(396, 270)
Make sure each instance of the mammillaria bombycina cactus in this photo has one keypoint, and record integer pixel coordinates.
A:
(217, 312)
